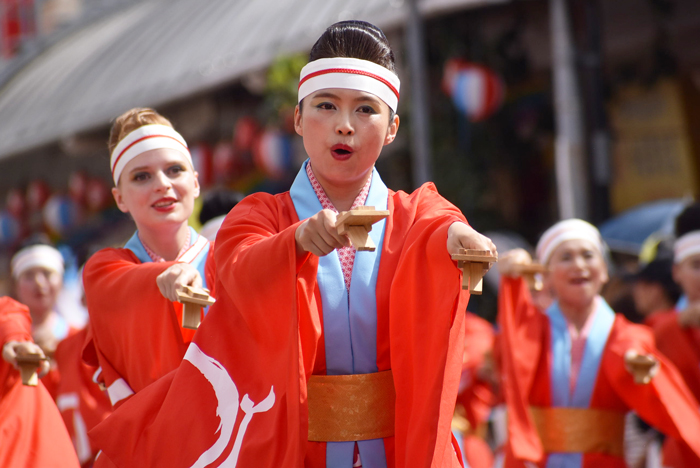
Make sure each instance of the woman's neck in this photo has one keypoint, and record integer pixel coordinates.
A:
(577, 314)
(39, 317)
(167, 241)
(343, 196)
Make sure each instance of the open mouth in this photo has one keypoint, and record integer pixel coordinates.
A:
(164, 204)
(579, 281)
(341, 152)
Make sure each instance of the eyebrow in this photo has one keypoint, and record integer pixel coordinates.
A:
(368, 97)
(145, 168)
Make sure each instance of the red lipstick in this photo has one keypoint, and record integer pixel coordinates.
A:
(341, 152)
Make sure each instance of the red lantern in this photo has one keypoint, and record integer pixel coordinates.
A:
(97, 195)
(77, 186)
(16, 205)
(202, 161)
(244, 133)
(223, 161)
(37, 194)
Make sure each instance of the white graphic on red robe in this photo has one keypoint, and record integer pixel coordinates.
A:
(227, 408)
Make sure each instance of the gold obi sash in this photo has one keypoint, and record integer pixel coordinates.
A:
(346, 408)
(580, 430)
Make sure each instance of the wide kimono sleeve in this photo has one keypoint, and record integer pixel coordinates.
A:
(32, 434)
(135, 333)
(426, 327)
(665, 402)
(522, 335)
(237, 396)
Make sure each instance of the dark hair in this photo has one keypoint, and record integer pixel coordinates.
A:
(688, 220)
(218, 203)
(354, 39)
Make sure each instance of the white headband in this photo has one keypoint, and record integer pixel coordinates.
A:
(37, 256)
(350, 73)
(569, 229)
(146, 138)
(686, 246)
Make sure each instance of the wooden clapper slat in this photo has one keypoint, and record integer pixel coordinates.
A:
(28, 365)
(530, 273)
(193, 299)
(474, 265)
(357, 223)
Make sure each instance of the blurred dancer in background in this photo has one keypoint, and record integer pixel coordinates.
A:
(568, 371)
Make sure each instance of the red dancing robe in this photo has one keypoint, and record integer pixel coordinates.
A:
(32, 434)
(476, 394)
(264, 338)
(665, 403)
(682, 347)
(135, 335)
(81, 402)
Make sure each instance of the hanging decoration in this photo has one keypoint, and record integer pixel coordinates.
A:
(273, 153)
(10, 229)
(223, 160)
(61, 214)
(97, 195)
(37, 194)
(202, 161)
(15, 202)
(476, 90)
(77, 186)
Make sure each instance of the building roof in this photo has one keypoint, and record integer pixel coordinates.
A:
(158, 51)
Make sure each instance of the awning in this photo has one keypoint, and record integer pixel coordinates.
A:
(159, 51)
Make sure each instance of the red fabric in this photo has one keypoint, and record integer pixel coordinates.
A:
(477, 452)
(682, 348)
(81, 402)
(134, 332)
(665, 403)
(32, 434)
(476, 395)
(266, 332)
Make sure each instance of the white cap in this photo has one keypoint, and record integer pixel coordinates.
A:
(686, 246)
(568, 229)
(37, 256)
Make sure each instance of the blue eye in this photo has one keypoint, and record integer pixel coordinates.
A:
(140, 176)
(176, 169)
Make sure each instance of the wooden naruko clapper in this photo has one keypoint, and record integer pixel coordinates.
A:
(474, 265)
(193, 299)
(530, 273)
(28, 366)
(357, 223)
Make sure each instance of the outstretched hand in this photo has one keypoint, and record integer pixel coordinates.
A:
(509, 262)
(176, 277)
(12, 349)
(462, 236)
(319, 235)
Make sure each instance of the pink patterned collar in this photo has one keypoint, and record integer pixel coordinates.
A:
(157, 258)
(326, 202)
(346, 255)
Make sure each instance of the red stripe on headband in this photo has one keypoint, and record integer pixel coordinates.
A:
(353, 72)
(116, 161)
